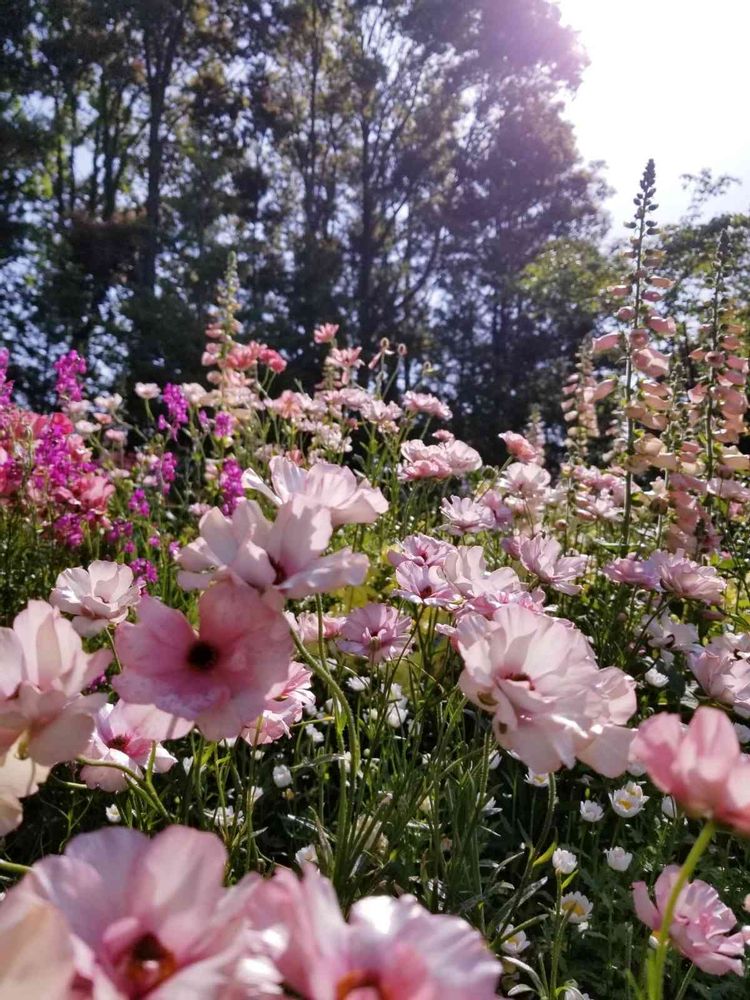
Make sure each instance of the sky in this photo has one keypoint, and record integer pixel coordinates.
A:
(668, 79)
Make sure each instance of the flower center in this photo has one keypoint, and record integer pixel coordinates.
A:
(147, 964)
(361, 985)
(118, 743)
(202, 655)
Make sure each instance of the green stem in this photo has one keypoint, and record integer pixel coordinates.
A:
(11, 866)
(658, 961)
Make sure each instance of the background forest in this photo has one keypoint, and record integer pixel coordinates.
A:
(403, 168)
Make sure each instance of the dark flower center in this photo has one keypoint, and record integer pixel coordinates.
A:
(360, 979)
(118, 743)
(147, 964)
(202, 655)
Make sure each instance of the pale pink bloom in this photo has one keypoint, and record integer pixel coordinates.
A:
(44, 671)
(377, 632)
(307, 626)
(30, 928)
(465, 568)
(421, 584)
(527, 482)
(348, 500)
(461, 457)
(685, 578)
(152, 917)
(118, 738)
(664, 325)
(607, 342)
(502, 515)
(701, 927)
(651, 362)
(219, 677)
(425, 402)
(146, 390)
(325, 333)
(550, 702)
(421, 549)
(634, 572)
(20, 776)
(541, 555)
(437, 461)
(723, 677)
(283, 708)
(670, 634)
(699, 765)
(389, 947)
(98, 596)
(520, 448)
(464, 515)
(285, 555)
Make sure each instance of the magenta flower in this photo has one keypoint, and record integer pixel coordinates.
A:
(220, 677)
(98, 596)
(701, 927)
(285, 555)
(151, 917)
(44, 671)
(377, 632)
(541, 555)
(699, 765)
(120, 737)
(389, 947)
(550, 702)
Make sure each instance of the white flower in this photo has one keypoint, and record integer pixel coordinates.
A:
(576, 907)
(656, 678)
(515, 943)
(669, 807)
(97, 596)
(618, 858)
(573, 993)
(306, 855)
(591, 812)
(494, 760)
(282, 776)
(629, 800)
(113, 814)
(537, 780)
(636, 769)
(564, 862)
(146, 390)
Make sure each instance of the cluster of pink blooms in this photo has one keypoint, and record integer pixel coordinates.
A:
(122, 916)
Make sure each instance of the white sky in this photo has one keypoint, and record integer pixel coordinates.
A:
(668, 79)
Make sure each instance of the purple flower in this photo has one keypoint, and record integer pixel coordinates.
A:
(68, 368)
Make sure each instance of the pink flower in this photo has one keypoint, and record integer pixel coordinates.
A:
(119, 739)
(151, 917)
(44, 671)
(633, 571)
(701, 926)
(424, 585)
(20, 776)
(389, 947)
(218, 678)
(685, 578)
(463, 515)
(348, 500)
(540, 555)
(700, 765)
(549, 701)
(30, 927)
(421, 549)
(437, 461)
(307, 626)
(285, 555)
(97, 596)
(377, 632)
(425, 402)
(325, 333)
(283, 708)
(520, 448)
(723, 677)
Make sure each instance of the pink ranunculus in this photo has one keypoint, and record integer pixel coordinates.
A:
(285, 555)
(549, 701)
(119, 738)
(701, 927)
(325, 333)
(421, 549)
(348, 500)
(152, 917)
(688, 579)
(283, 708)
(723, 676)
(541, 555)
(20, 776)
(699, 765)
(307, 626)
(30, 928)
(425, 402)
(465, 516)
(98, 596)
(377, 632)
(634, 572)
(420, 584)
(219, 677)
(388, 948)
(44, 671)
(520, 448)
